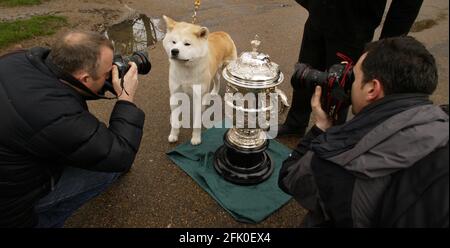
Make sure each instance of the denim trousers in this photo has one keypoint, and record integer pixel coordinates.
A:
(74, 188)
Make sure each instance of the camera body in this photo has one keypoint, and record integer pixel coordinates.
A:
(141, 60)
(336, 83)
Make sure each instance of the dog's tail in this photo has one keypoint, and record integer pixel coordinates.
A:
(232, 55)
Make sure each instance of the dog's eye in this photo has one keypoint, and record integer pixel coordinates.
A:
(174, 42)
(187, 44)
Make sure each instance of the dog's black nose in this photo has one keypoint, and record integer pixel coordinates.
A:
(175, 52)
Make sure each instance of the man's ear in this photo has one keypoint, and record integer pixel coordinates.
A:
(202, 33)
(82, 76)
(170, 23)
(374, 90)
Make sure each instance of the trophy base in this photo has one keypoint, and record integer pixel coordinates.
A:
(243, 166)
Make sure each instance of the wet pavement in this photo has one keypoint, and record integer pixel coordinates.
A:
(157, 193)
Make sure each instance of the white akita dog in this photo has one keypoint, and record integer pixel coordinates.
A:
(196, 58)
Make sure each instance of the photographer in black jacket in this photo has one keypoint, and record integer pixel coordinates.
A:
(386, 167)
(343, 26)
(54, 154)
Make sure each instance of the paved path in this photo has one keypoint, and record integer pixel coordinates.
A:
(156, 193)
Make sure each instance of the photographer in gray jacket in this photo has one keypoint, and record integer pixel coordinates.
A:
(388, 166)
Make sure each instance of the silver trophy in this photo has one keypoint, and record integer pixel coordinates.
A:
(252, 102)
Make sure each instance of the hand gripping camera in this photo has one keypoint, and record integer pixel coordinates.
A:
(336, 85)
(139, 58)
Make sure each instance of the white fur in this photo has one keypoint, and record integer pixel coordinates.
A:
(200, 59)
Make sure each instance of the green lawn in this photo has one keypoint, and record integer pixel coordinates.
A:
(12, 3)
(15, 31)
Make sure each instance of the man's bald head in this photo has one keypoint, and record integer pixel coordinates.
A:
(76, 37)
(77, 50)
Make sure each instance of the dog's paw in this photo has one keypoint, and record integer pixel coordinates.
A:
(173, 138)
(196, 141)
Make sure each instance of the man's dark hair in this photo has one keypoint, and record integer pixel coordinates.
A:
(401, 64)
(79, 50)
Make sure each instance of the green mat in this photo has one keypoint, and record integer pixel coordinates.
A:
(250, 204)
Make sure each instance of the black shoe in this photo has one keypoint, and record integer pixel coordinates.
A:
(284, 130)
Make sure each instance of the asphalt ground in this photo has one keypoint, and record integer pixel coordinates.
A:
(156, 192)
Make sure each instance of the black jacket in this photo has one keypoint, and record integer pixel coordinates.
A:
(44, 126)
(387, 167)
(360, 18)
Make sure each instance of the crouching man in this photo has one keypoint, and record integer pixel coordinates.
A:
(388, 166)
(54, 154)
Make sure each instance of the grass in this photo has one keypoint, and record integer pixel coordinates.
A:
(15, 31)
(13, 3)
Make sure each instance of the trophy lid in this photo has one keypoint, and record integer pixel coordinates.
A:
(253, 70)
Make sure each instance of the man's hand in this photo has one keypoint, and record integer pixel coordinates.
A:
(322, 120)
(130, 83)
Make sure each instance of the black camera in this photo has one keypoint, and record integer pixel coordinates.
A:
(139, 58)
(336, 85)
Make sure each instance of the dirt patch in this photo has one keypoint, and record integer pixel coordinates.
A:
(81, 15)
(421, 25)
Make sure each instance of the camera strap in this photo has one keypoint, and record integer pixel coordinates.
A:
(337, 96)
(347, 68)
(121, 85)
(66, 77)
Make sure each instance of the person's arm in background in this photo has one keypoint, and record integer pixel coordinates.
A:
(400, 17)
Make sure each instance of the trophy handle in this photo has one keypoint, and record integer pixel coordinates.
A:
(284, 100)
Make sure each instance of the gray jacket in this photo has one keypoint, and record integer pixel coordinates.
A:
(397, 143)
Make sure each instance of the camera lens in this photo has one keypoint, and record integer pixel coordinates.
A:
(142, 62)
(139, 58)
(307, 78)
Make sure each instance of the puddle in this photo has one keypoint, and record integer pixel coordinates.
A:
(135, 34)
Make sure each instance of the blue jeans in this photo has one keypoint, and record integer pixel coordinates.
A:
(74, 188)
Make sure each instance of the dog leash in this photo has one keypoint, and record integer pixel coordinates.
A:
(196, 7)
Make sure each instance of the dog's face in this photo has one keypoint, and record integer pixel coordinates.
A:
(185, 42)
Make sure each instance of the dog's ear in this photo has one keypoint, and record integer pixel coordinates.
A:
(202, 33)
(170, 23)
